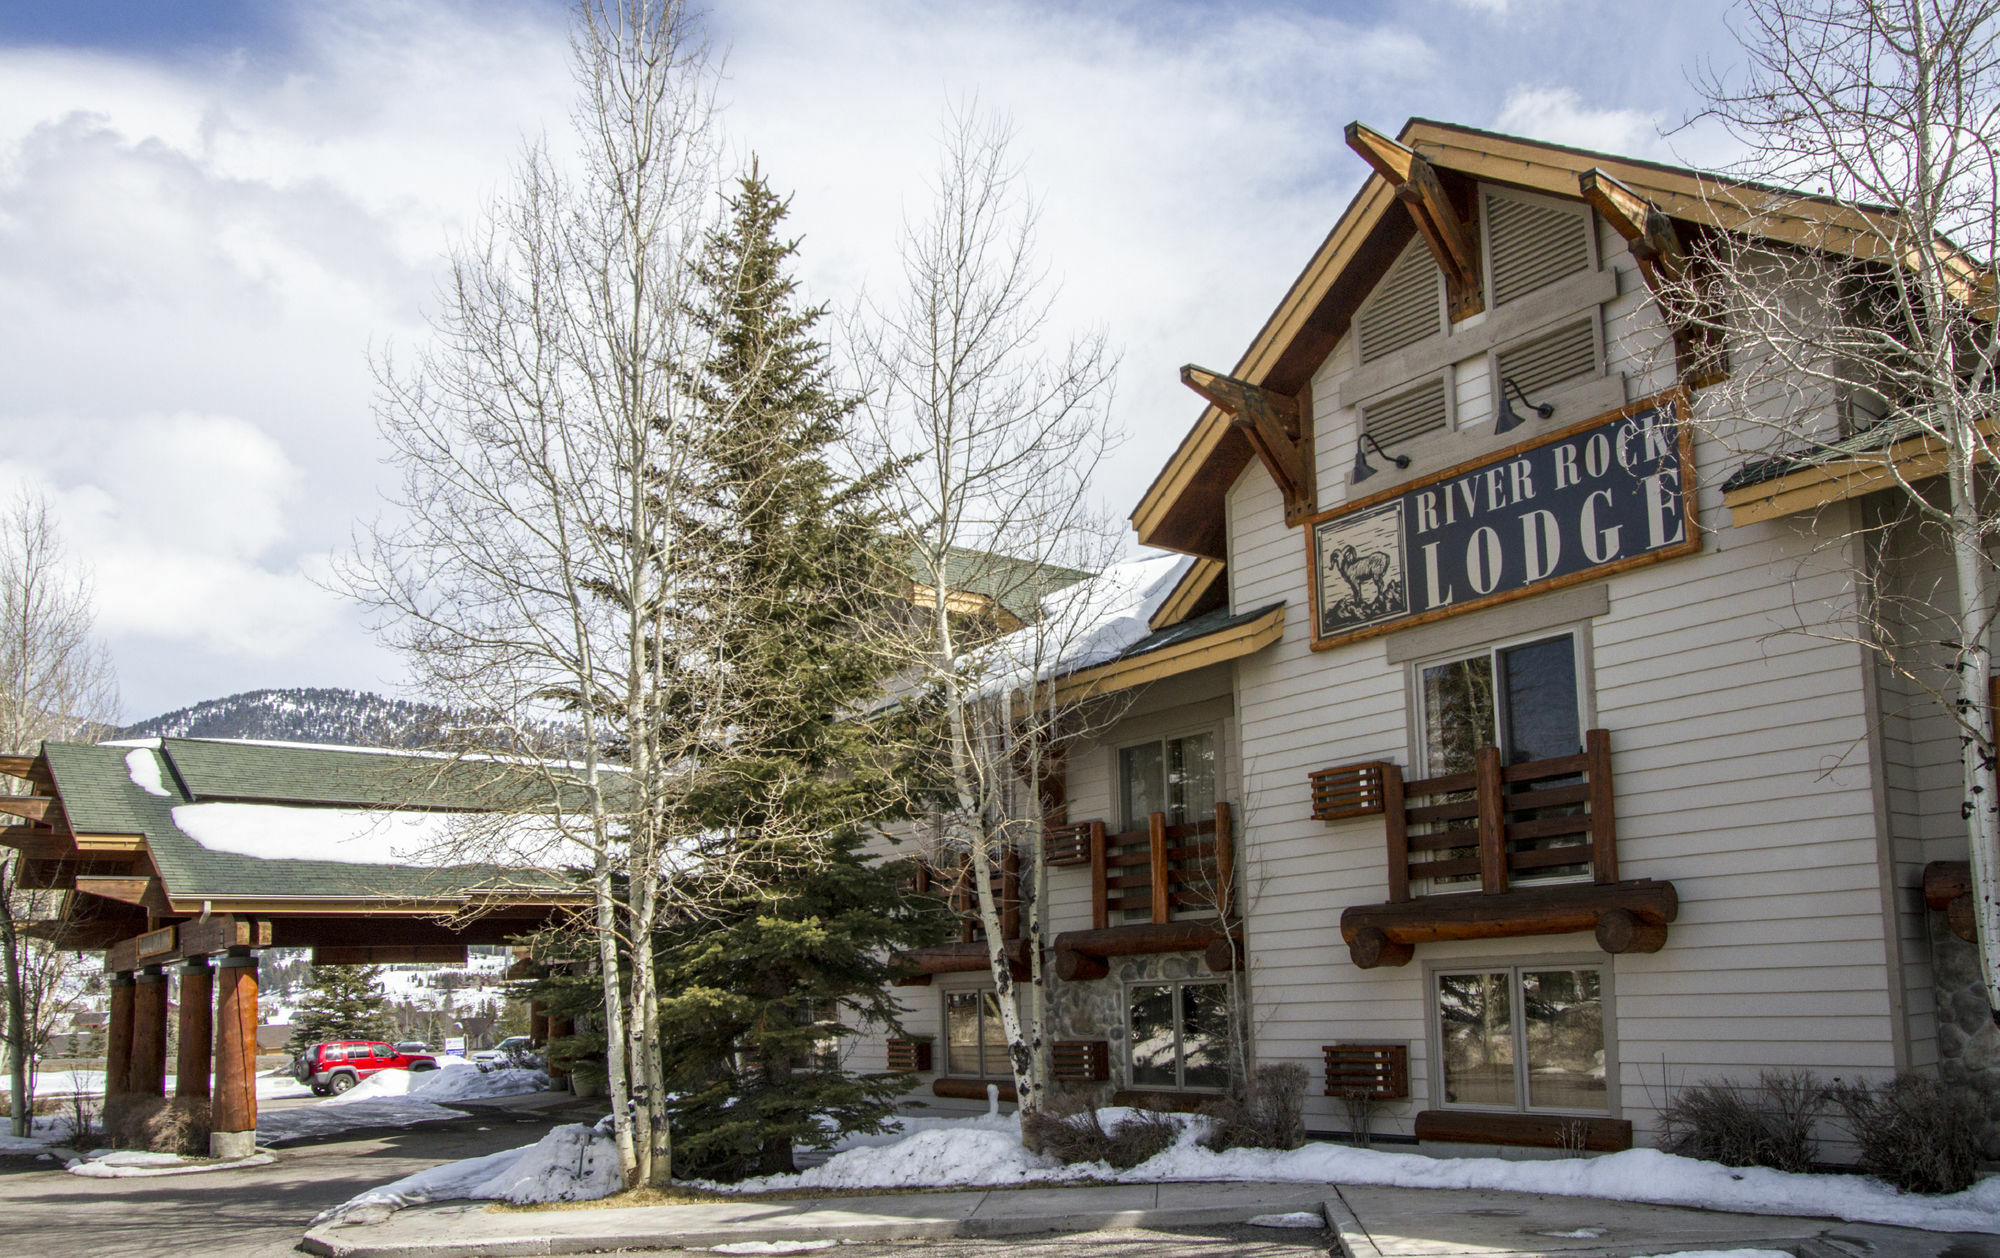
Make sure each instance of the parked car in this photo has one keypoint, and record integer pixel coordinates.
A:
(515, 1050)
(414, 1046)
(335, 1066)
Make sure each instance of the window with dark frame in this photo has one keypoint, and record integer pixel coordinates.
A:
(1175, 776)
(1525, 1037)
(1523, 698)
(975, 1043)
(1178, 1035)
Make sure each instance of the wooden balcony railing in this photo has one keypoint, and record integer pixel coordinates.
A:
(1506, 829)
(1506, 814)
(1141, 879)
(968, 954)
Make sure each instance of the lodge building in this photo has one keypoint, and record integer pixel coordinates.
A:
(1481, 666)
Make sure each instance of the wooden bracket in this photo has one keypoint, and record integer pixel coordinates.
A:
(1663, 263)
(1278, 427)
(1453, 241)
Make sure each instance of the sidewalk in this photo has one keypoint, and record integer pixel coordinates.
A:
(1370, 1222)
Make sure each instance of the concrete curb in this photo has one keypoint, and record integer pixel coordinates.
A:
(1354, 1239)
(529, 1234)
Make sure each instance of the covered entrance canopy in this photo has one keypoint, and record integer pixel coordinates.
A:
(179, 851)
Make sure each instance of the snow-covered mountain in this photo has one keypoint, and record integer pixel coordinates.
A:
(353, 718)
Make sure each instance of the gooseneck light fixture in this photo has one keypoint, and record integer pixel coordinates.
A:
(1508, 418)
(1361, 469)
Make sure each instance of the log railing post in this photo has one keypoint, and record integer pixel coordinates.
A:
(191, 1064)
(1603, 813)
(1396, 823)
(1156, 835)
(1100, 894)
(1225, 864)
(234, 1133)
(1492, 822)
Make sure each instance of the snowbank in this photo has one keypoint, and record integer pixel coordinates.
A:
(367, 836)
(571, 1163)
(47, 1132)
(948, 1153)
(127, 1164)
(444, 1085)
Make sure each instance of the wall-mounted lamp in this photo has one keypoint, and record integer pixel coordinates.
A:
(1508, 418)
(1361, 469)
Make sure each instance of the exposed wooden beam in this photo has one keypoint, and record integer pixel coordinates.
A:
(147, 893)
(28, 807)
(127, 843)
(18, 766)
(390, 954)
(1277, 430)
(1656, 245)
(1454, 244)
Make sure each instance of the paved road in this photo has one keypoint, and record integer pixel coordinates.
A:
(1217, 1242)
(256, 1213)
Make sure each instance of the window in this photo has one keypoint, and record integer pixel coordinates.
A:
(1523, 1038)
(1523, 699)
(975, 1044)
(1179, 1035)
(1175, 776)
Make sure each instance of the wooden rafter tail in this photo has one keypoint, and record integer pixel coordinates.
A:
(1663, 263)
(1277, 428)
(18, 766)
(1453, 243)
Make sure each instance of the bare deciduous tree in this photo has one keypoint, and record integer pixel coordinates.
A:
(994, 436)
(1859, 319)
(546, 442)
(56, 682)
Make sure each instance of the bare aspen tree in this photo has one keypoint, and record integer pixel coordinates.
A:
(56, 682)
(546, 439)
(1858, 316)
(993, 435)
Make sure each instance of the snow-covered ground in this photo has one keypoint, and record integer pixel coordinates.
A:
(131, 1164)
(49, 1132)
(573, 1162)
(987, 1150)
(50, 1083)
(397, 1098)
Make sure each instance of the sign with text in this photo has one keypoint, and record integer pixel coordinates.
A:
(1597, 497)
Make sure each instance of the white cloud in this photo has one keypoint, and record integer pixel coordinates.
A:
(1558, 114)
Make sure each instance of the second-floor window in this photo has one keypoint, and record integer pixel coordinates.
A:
(1175, 776)
(1522, 698)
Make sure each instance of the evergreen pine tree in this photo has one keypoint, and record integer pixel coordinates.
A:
(761, 991)
(342, 1002)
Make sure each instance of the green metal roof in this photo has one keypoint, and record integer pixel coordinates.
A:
(1019, 585)
(99, 796)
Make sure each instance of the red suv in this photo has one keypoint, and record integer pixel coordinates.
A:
(337, 1065)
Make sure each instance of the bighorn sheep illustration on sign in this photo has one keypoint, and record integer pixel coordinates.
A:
(1361, 569)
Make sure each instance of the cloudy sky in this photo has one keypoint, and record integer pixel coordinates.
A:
(211, 211)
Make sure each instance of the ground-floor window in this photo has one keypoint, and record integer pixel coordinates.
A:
(1179, 1035)
(1522, 1037)
(975, 1044)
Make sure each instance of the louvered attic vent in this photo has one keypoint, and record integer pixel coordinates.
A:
(1551, 359)
(1411, 413)
(1533, 245)
(1403, 309)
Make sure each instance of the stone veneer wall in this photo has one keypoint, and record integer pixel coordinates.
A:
(1968, 1041)
(1094, 1009)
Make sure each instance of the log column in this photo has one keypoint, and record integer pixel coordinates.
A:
(559, 1028)
(118, 1045)
(147, 1075)
(197, 1029)
(234, 1123)
(538, 1025)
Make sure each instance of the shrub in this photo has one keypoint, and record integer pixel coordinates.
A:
(1914, 1132)
(1081, 1136)
(1766, 1125)
(1269, 1114)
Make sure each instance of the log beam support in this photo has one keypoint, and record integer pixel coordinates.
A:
(1278, 427)
(1948, 888)
(1663, 263)
(1082, 954)
(234, 1133)
(197, 1016)
(147, 1075)
(1453, 240)
(118, 1047)
(1625, 916)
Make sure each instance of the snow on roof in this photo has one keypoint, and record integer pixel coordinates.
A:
(144, 767)
(1092, 621)
(368, 836)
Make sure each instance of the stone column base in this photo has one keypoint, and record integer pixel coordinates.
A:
(231, 1145)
